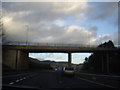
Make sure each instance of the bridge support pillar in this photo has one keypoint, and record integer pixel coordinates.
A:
(69, 59)
(9, 58)
(15, 59)
(22, 60)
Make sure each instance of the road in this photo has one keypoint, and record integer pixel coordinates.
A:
(48, 79)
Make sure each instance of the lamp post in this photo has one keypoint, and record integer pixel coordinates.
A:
(88, 36)
(89, 39)
(27, 29)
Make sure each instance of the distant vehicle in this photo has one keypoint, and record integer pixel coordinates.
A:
(59, 68)
(68, 71)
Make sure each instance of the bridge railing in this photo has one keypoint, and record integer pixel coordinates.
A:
(47, 44)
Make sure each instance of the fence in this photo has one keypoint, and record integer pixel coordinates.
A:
(46, 44)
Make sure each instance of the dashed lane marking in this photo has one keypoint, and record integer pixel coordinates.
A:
(21, 79)
(17, 80)
(24, 78)
(11, 83)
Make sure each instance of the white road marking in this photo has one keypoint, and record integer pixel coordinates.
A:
(24, 78)
(11, 83)
(96, 83)
(21, 79)
(17, 80)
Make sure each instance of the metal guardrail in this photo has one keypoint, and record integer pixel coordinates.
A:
(47, 44)
(52, 44)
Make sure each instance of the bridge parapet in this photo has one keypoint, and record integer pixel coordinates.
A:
(32, 48)
(47, 44)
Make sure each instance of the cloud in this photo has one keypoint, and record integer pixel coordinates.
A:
(60, 58)
(59, 22)
(42, 18)
(36, 12)
(45, 33)
(103, 38)
(116, 38)
(95, 28)
(47, 23)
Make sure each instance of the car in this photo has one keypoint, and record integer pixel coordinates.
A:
(68, 71)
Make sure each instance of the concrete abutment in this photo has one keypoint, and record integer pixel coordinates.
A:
(15, 59)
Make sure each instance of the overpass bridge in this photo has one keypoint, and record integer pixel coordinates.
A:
(16, 56)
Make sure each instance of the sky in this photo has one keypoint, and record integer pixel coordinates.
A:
(86, 23)
(77, 58)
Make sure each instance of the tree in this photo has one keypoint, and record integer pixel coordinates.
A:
(98, 60)
(86, 59)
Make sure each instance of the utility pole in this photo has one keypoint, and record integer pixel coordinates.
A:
(89, 40)
(88, 36)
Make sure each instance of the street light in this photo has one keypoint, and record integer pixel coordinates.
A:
(88, 36)
(27, 29)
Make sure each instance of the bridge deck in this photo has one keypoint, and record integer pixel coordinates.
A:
(58, 48)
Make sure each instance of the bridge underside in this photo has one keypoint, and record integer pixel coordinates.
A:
(16, 57)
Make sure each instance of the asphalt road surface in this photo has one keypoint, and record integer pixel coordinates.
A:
(48, 80)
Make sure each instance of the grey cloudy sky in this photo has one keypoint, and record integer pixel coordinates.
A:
(75, 23)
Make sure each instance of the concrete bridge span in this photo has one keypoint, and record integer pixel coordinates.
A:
(16, 56)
